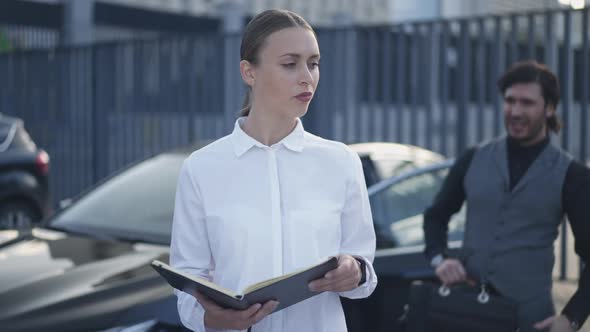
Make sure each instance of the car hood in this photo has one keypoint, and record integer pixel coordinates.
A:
(46, 274)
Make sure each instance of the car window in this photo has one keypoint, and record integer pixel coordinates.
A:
(389, 167)
(6, 134)
(22, 140)
(138, 202)
(397, 210)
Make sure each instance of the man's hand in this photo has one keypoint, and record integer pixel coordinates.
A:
(343, 278)
(558, 323)
(219, 318)
(451, 271)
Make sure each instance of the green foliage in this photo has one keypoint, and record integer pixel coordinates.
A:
(4, 42)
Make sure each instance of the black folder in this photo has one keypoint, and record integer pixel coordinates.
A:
(287, 289)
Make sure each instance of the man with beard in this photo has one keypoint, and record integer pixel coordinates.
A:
(518, 187)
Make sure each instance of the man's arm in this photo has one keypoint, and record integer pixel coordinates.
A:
(576, 191)
(446, 203)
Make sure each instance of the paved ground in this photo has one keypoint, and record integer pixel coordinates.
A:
(562, 291)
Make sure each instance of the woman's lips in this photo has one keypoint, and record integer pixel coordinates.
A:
(304, 97)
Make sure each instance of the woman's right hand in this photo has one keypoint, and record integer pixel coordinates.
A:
(220, 318)
(451, 271)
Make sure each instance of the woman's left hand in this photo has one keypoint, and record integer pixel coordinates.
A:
(343, 278)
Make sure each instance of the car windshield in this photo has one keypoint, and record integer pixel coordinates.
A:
(397, 210)
(136, 204)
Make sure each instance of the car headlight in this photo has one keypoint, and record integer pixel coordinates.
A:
(139, 327)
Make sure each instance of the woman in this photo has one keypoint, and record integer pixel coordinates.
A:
(271, 198)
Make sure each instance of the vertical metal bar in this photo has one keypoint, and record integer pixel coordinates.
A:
(532, 52)
(463, 85)
(95, 114)
(498, 64)
(401, 83)
(567, 101)
(347, 92)
(351, 78)
(328, 108)
(480, 72)
(567, 76)
(362, 61)
(372, 75)
(584, 97)
(585, 34)
(415, 39)
(549, 57)
(88, 92)
(513, 39)
(386, 79)
(444, 86)
(431, 77)
(139, 95)
(339, 101)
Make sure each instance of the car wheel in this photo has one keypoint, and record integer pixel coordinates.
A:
(17, 215)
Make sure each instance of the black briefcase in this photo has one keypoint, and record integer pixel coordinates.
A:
(463, 308)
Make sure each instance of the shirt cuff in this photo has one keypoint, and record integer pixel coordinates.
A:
(192, 314)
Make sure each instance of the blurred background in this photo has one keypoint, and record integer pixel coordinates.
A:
(89, 87)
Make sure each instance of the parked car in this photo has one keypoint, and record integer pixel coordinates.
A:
(24, 172)
(87, 267)
(383, 160)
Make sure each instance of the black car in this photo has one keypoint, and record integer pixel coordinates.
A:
(382, 160)
(87, 267)
(24, 171)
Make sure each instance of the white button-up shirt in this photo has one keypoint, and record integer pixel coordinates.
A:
(246, 212)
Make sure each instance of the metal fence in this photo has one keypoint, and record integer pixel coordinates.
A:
(96, 109)
(433, 83)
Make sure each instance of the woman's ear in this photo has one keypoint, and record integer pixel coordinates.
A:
(248, 72)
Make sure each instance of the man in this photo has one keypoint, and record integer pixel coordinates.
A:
(518, 188)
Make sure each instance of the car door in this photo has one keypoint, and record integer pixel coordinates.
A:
(397, 205)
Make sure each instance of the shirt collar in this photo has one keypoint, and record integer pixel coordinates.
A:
(242, 142)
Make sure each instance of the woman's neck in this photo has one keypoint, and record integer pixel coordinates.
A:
(266, 129)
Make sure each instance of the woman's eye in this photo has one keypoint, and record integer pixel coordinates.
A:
(289, 65)
(314, 64)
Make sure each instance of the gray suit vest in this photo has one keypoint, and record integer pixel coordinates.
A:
(510, 234)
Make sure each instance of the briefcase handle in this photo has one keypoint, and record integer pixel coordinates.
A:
(483, 297)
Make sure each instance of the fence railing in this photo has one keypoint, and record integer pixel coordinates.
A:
(98, 108)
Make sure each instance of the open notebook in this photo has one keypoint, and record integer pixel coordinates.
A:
(287, 289)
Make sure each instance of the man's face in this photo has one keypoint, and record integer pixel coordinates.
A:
(525, 113)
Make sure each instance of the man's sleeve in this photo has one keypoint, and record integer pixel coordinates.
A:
(576, 192)
(446, 203)
(189, 248)
(358, 232)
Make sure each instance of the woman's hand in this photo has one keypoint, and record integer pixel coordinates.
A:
(219, 318)
(343, 278)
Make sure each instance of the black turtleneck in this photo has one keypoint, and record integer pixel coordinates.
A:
(520, 158)
(575, 201)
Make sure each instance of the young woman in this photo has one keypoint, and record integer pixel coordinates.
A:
(271, 198)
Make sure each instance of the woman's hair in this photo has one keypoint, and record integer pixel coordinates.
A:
(256, 33)
(530, 71)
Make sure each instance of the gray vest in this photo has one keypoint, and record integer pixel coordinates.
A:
(510, 234)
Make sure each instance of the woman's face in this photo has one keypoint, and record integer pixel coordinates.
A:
(287, 73)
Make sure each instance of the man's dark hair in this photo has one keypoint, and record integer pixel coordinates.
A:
(531, 71)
